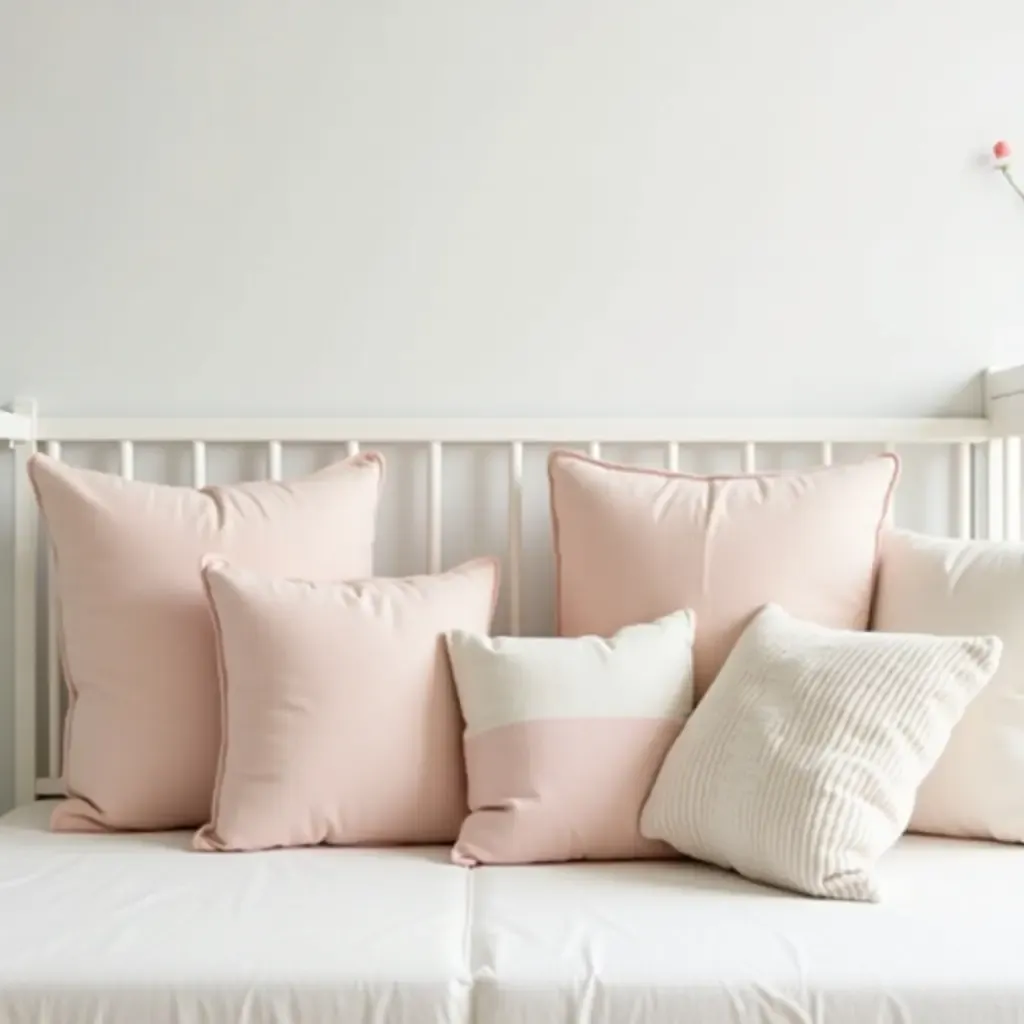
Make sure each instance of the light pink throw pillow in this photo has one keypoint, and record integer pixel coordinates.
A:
(137, 642)
(564, 738)
(341, 724)
(634, 544)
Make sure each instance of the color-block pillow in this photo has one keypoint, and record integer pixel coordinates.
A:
(935, 585)
(341, 724)
(137, 643)
(564, 738)
(800, 766)
(634, 544)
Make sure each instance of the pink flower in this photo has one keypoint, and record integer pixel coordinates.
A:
(1003, 154)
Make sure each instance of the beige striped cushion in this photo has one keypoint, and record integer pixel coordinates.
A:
(800, 766)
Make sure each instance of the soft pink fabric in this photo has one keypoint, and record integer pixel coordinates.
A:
(341, 724)
(143, 727)
(562, 789)
(632, 544)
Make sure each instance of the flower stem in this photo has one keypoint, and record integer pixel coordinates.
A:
(1005, 171)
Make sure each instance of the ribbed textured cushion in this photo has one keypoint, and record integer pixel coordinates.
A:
(633, 544)
(799, 767)
(564, 737)
(137, 643)
(341, 723)
(937, 585)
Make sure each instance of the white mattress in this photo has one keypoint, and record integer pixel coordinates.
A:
(140, 930)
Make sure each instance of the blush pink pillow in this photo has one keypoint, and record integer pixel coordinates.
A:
(137, 642)
(564, 738)
(341, 724)
(634, 544)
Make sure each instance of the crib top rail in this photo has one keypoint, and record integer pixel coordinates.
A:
(1003, 397)
(19, 427)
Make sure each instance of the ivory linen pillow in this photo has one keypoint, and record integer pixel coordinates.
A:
(137, 643)
(564, 737)
(936, 585)
(341, 723)
(634, 544)
(800, 766)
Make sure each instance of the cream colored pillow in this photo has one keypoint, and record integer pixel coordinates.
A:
(800, 766)
(564, 737)
(937, 585)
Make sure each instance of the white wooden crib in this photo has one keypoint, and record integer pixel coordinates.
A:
(123, 928)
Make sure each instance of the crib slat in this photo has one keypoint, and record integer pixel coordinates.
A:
(352, 448)
(53, 674)
(515, 535)
(994, 476)
(434, 506)
(127, 459)
(672, 456)
(26, 593)
(275, 460)
(594, 449)
(964, 490)
(749, 457)
(198, 463)
(1011, 488)
(826, 453)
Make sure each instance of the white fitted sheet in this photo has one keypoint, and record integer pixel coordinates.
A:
(141, 929)
(661, 943)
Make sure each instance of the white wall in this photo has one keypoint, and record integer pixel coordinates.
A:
(504, 206)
